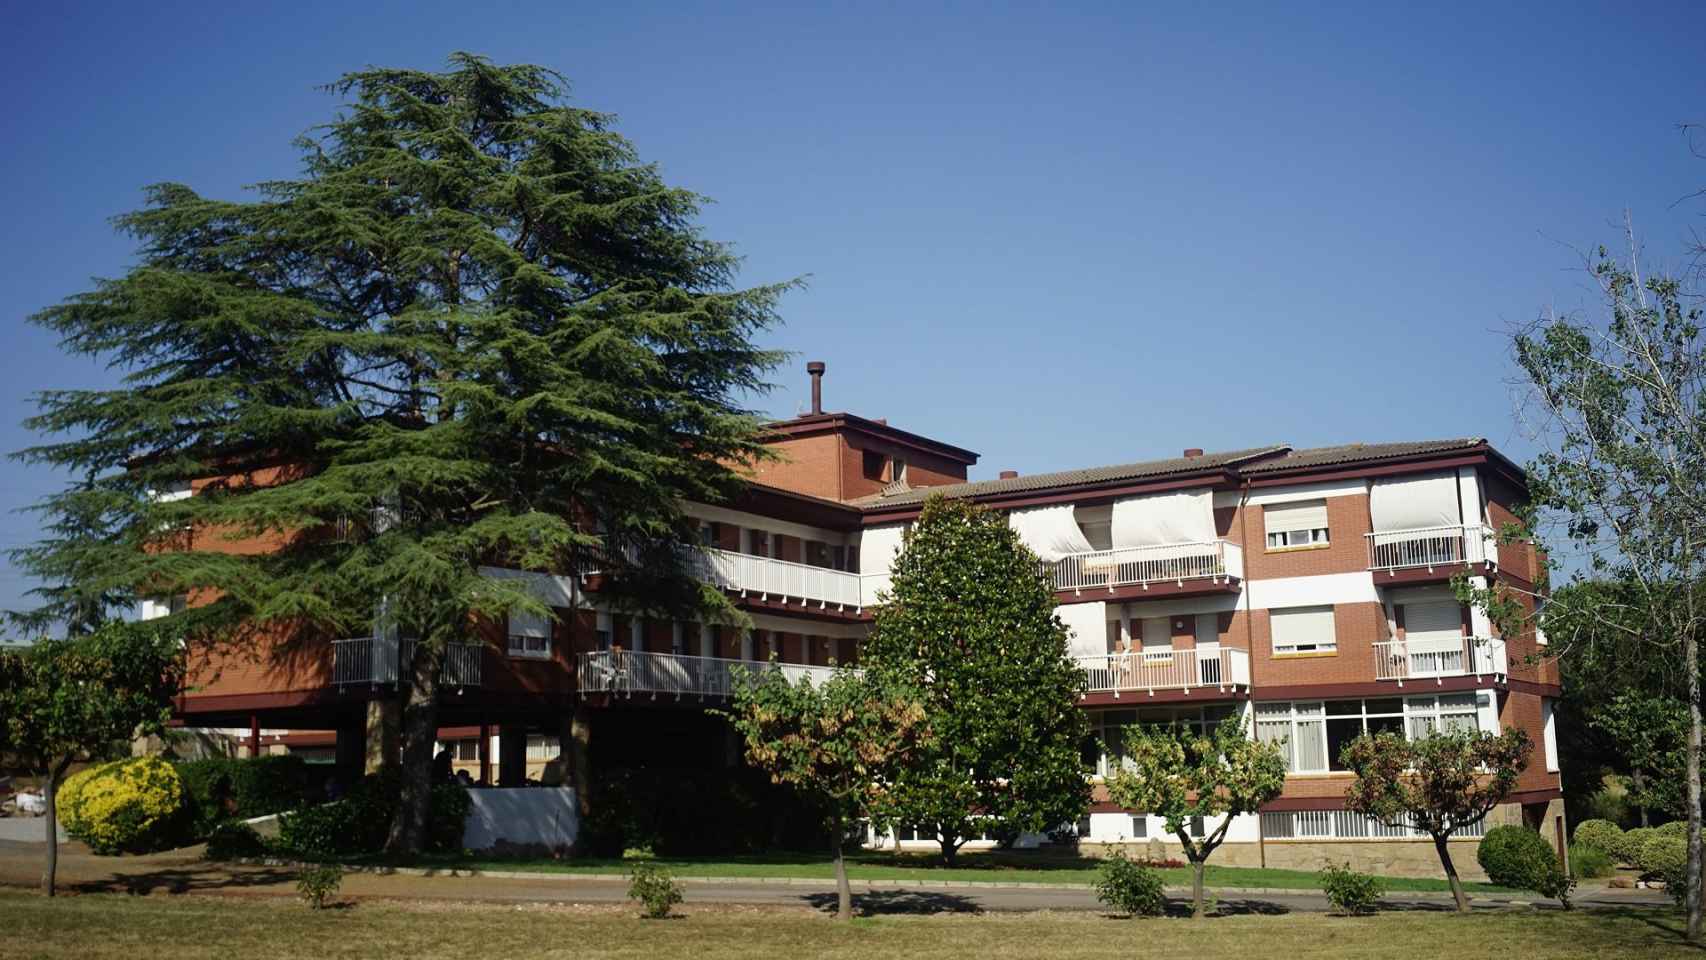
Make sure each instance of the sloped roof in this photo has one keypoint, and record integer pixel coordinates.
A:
(1073, 478)
(1358, 453)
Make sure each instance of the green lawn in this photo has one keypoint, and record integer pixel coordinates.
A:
(116, 927)
(902, 868)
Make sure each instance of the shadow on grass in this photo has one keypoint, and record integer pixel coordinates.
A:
(198, 879)
(892, 902)
(1240, 907)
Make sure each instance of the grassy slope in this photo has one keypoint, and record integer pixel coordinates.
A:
(973, 867)
(110, 927)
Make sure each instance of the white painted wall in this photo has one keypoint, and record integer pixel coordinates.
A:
(547, 815)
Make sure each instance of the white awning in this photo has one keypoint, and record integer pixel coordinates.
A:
(1410, 503)
(1050, 532)
(878, 546)
(1186, 516)
(1088, 623)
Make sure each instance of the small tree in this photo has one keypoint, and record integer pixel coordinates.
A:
(969, 623)
(1651, 734)
(1438, 784)
(837, 743)
(80, 697)
(1180, 774)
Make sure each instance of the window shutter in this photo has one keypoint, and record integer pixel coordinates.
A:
(525, 624)
(1299, 626)
(1303, 515)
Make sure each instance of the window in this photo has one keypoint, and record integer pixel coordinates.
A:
(710, 534)
(873, 463)
(1302, 524)
(1157, 638)
(153, 608)
(542, 747)
(529, 634)
(1345, 825)
(1084, 827)
(1549, 734)
(605, 631)
(1140, 827)
(1196, 828)
(1311, 735)
(1108, 726)
(468, 751)
(897, 470)
(1303, 630)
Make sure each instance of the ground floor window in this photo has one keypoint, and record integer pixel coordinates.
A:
(1311, 734)
(1108, 727)
(1346, 825)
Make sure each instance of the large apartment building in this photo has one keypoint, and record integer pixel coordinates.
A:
(1307, 590)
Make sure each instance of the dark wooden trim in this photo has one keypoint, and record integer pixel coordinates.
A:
(1299, 804)
(809, 610)
(1535, 688)
(1084, 493)
(829, 422)
(1546, 795)
(1441, 573)
(1136, 699)
(1165, 588)
(1384, 467)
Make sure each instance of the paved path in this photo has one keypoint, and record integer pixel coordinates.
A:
(184, 872)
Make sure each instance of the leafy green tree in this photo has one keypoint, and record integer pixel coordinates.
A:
(837, 743)
(85, 697)
(1437, 784)
(1651, 732)
(1180, 773)
(476, 330)
(1619, 404)
(969, 623)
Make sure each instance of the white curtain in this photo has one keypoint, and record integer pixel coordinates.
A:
(1408, 503)
(1088, 623)
(1050, 532)
(1186, 516)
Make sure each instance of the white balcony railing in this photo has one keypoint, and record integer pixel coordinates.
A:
(1402, 660)
(629, 672)
(1214, 560)
(1429, 547)
(769, 578)
(373, 661)
(1119, 673)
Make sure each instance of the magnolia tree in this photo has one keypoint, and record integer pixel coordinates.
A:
(1437, 784)
(838, 743)
(1178, 773)
(476, 330)
(969, 624)
(85, 697)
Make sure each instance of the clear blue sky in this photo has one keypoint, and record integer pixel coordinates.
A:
(1060, 236)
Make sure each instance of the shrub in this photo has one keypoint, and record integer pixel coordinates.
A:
(1590, 863)
(1520, 858)
(223, 788)
(358, 824)
(1349, 892)
(1129, 887)
(690, 812)
(1661, 855)
(316, 884)
(1675, 828)
(230, 841)
(1629, 845)
(126, 805)
(1602, 835)
(653, 886)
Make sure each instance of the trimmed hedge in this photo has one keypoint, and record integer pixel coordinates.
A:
(358, 823)
(1663, 855)
(1602, 835)
(1675, 828)
(1520, 858)
(223, 788)
(127, 805)
(698, 812)
(1629, 846)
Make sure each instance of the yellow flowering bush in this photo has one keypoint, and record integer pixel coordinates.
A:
(123, 805)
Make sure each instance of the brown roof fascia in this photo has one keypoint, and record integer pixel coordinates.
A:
(1374, 468)
(827, 422)
(1080, 493)
(780, 504)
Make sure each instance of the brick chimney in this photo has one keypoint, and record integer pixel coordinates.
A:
(815, 368)
(1009, 474)
(1193, 452)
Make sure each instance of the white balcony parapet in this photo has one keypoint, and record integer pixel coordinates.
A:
(373, 661)
(1430, 547)
(1119, 673)
(1218, 561)
(770, 579)
(680, 675)
(1403, 660)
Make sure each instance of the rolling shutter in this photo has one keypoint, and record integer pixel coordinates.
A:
(1304, 515)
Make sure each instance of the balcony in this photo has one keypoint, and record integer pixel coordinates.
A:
(1208, 562)
(1402, 660)
(1119, 673)
(629, 672)
(366, 660)
(1429, 548)
(782, 580)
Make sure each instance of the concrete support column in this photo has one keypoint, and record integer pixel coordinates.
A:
(254, 736)
(485, 754)
(512, 755)
(351, 750)
(577, 754)
(384, 734)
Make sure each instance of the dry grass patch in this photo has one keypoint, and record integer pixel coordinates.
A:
(99, 927)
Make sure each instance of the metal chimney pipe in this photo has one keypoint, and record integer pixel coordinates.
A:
(815, 368)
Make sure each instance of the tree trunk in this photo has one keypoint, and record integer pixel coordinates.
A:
(1691, 667)
(50, 793)
(950, 847)
(1441, 844)
(1199, 868)
(420, 731)
(843, 890)
(1639, 779)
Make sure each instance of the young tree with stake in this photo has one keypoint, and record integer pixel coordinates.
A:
(1178, 773)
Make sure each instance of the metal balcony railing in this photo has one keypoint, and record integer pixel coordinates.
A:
(1429, 547)
(1147, 672)
(373, 661)
(1402, 660)
(1217, 561)
(681, 675)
